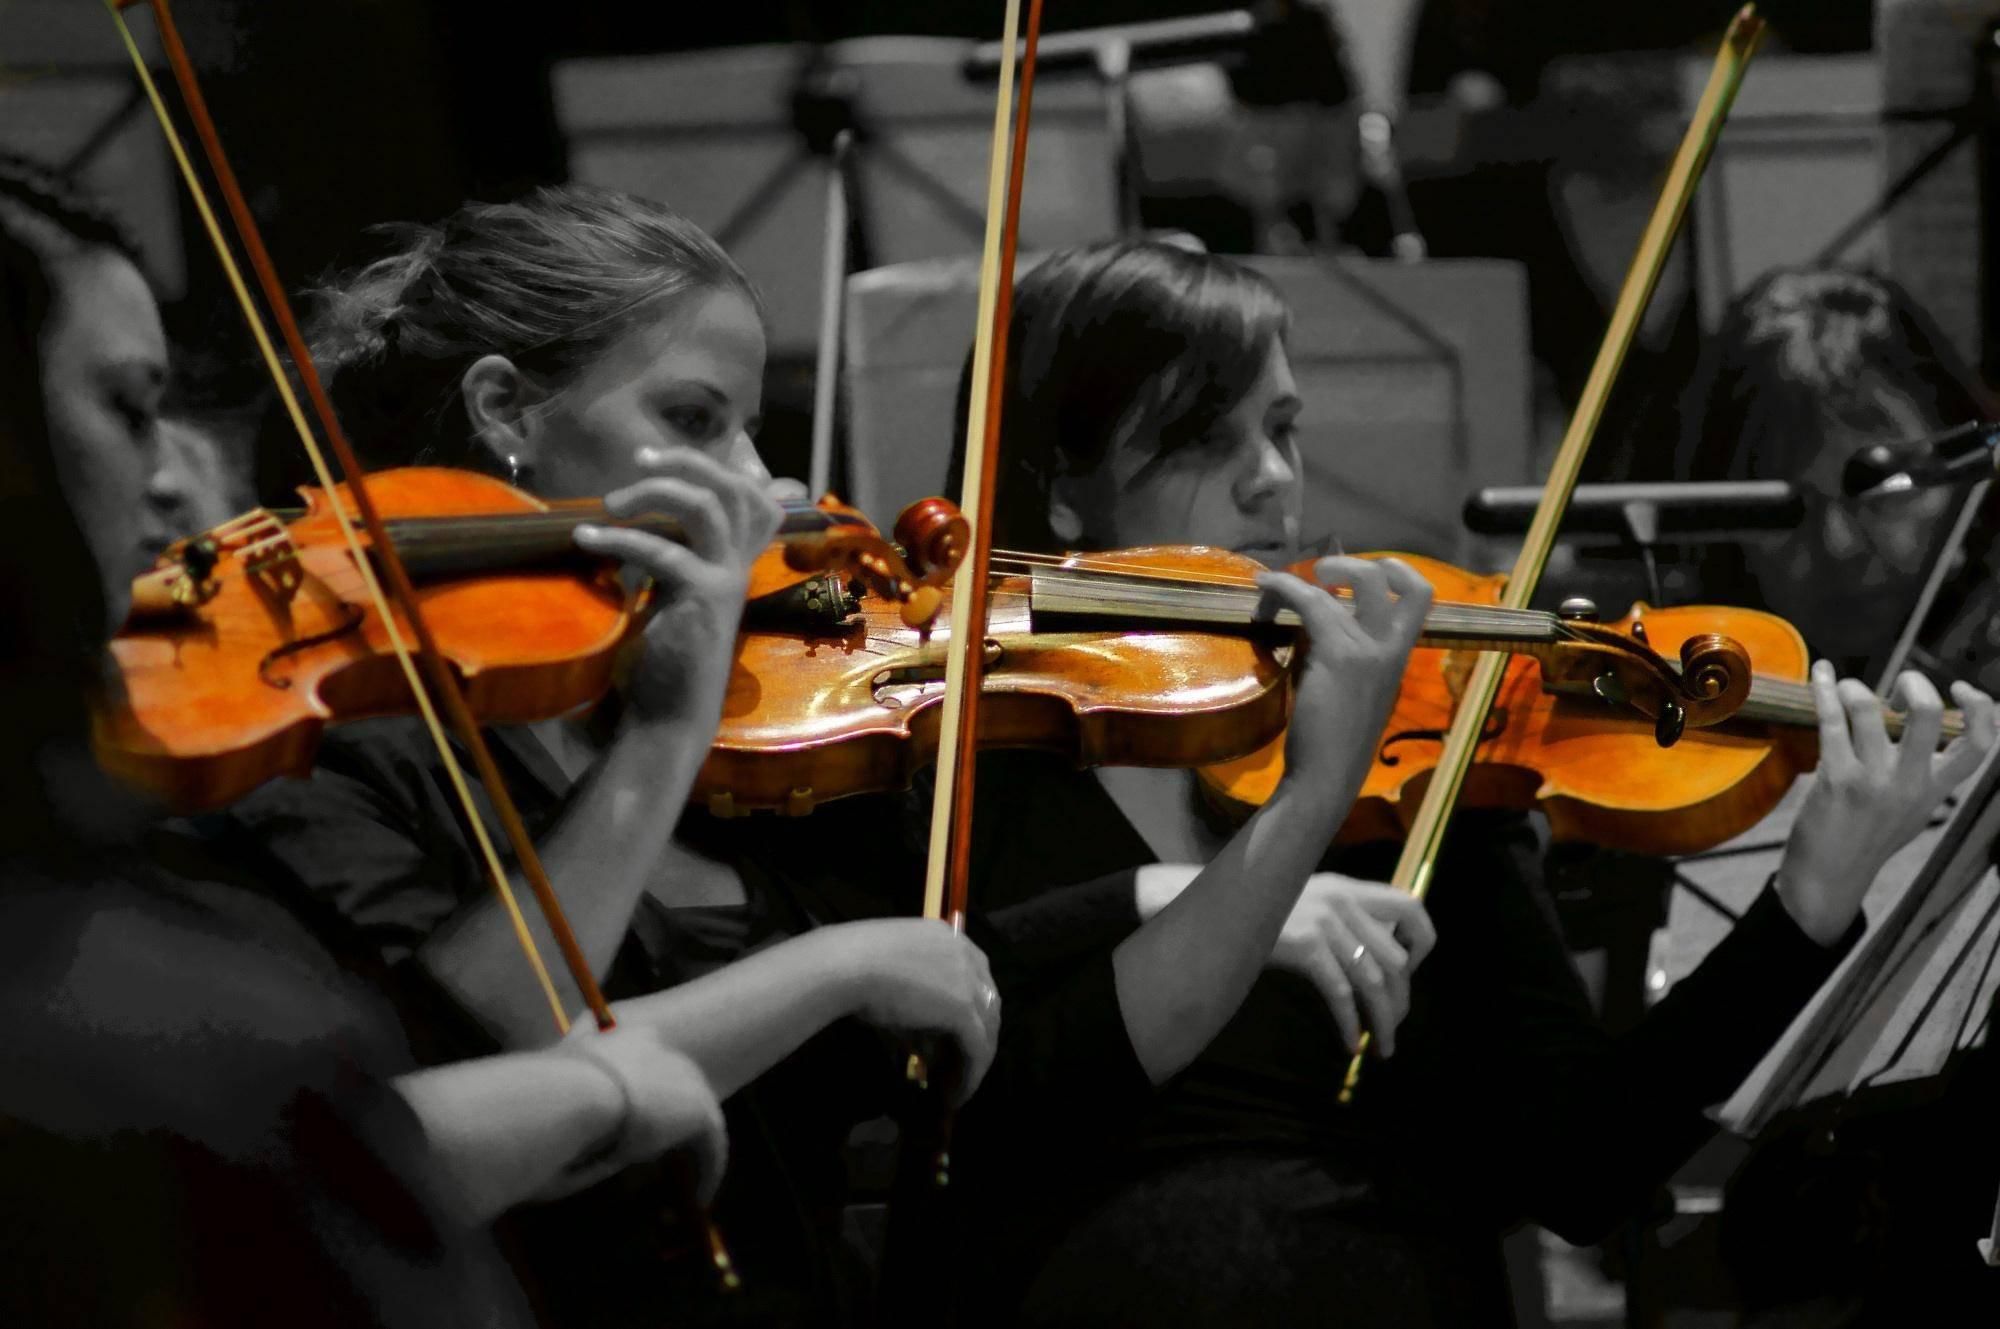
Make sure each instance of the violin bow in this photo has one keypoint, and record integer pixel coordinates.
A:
(1415, 868)
(401, 594)
(948, 868)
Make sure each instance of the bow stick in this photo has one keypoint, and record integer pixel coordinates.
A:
(1419, 858)
(443, 686)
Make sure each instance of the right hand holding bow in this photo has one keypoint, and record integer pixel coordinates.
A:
(918, 975)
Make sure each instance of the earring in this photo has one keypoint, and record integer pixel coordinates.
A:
(518, 474)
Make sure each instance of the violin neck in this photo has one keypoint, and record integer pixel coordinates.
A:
(435, 548)
(1789, 702)
(1132, 598)
(1165, 600)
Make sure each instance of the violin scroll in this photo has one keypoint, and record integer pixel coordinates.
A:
(1709, 684)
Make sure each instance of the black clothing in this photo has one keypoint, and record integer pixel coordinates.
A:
(196, 1125)
(377, 839)
(1241, 1193)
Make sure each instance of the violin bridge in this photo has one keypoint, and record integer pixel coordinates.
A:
(273, 562)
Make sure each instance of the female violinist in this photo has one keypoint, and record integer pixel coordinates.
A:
(193, 1091)
(1866, 1224)
(587, 344)
(1810, 367)
(1241, 1192)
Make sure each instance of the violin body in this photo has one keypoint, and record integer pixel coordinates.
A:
(237, 690)
(814, 715)
(1594, 770)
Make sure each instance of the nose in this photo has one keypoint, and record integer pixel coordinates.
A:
(169, 486)
(1270, 474)
(743, 457)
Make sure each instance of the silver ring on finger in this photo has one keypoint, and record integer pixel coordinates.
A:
(1360, 954)
(989, 997)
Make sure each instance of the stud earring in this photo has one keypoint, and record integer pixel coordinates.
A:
(518, 473)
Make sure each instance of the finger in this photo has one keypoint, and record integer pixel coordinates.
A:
(709, 1150)
(1382, 978)
(1923, 722)
(1865, 724)
(1365, 976)
(751, 512)
(672, 566)
(1836, 749)
(1370, 585)
(1413, 596)
(704, 514)
(1406, 914)
(1331, 980)
(976, 1045)
(1323, 618)
(1970, 748)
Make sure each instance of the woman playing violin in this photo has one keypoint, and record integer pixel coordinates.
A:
(205, 1117)
(587, 344)
(1241, 1192)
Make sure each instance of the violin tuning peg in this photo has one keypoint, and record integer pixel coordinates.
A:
(1669, 723)
(1577, 609)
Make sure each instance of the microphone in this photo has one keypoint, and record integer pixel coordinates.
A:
(1686, 513)
(1963, 452)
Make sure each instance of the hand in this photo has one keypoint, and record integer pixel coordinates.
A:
(699, 587)
(668, 1105)
(1870, 796)
(1353, 665)
(1363, 937)
(917, 974)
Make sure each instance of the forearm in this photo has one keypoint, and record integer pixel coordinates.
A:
(503, 1129)
(742, 1019)
(599, 858)
(1183, 974)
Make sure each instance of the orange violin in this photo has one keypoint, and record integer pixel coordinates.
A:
(1141, 657)
(248, 640)
(1595, 771)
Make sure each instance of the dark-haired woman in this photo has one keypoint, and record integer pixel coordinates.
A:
(584, 344)
(1872, 1222)
(204, 1117)
(1810, 367)
(1241, 1192)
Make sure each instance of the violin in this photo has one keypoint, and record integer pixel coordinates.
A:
(246, 641)
(1595, 771)
(1157, 656)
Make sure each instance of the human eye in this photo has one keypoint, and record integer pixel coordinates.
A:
(698, 423)
(142, 418)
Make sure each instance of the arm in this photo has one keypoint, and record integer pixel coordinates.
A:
(534, 1125)
(1184, 973)
(611, 842)
(1615, 1117)
(906, 974)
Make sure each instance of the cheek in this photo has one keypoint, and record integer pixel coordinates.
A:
(1178, 507)
(100, 469)
(592, 448)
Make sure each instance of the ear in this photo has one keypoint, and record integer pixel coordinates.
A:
(1066, 507)
(498, 401)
